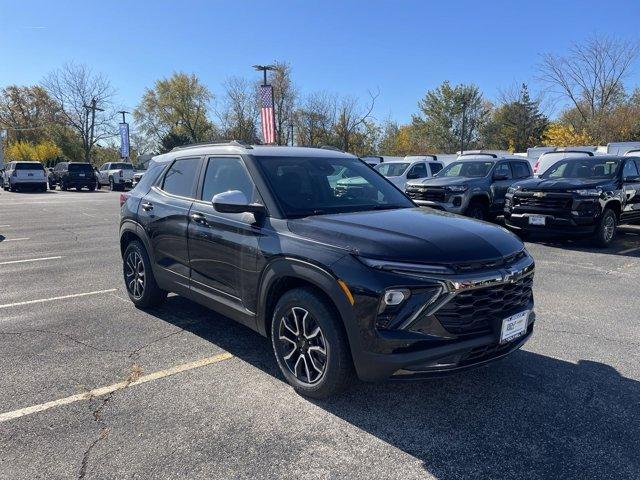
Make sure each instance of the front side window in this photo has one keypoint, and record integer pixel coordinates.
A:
(303, 186)
(418, 171)
(180, 179)
(592, 167)
(225, 174)
(630, 169)
(391, 169)
(520, 170)
(467, 168)
(503, 170)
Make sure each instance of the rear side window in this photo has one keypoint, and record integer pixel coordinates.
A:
(180, 179)
(225, 174)
(29, 166)
(520, 170)
(435, 168)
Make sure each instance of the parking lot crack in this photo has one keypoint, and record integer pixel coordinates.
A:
(67, 336)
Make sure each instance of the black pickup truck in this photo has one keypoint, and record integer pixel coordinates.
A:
(581, 196)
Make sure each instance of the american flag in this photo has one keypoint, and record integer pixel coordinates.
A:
(267, 114)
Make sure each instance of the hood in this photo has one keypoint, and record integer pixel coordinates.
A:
(418, 235)
(562, 184)
(446, 181)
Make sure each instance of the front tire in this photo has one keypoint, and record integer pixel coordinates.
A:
(607, 227)
(310, 344)
(139, 280)
(112, 185)
(476, 210)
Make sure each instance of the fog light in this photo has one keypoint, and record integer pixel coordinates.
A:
(395, 297)
(457, 201)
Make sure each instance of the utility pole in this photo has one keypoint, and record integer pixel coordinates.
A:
(93, 109)
(464, 111)
(291, 131)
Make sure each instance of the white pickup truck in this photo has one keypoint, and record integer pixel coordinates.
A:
(118, 175)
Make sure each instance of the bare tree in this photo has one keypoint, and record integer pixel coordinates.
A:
(238, 112)
(591, 76)
(314, 119)
(284, 98)
(352, 116)
(75, 87)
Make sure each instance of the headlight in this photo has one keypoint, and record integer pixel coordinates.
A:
(588, 192)
(457, 188)
(513, 189)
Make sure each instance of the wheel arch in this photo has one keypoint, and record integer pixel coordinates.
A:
(614, 205)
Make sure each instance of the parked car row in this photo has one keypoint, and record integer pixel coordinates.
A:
(19, 175)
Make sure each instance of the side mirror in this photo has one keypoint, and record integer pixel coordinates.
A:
(632, 179)
(500, 176)
(412, 176)
(235, 201)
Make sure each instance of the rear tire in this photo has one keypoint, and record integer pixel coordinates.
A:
(112, 185)
(92, 188)
(606, 231)
(139, 280)
(476, 210)
(310, 344)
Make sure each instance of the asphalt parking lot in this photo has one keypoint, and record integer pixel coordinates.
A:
(91, 387)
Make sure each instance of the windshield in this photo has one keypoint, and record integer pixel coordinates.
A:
(391, 169)
(305, 186)
(592, 167)
(121, 166)
(466, 169)
(80, 167)
(29, 166)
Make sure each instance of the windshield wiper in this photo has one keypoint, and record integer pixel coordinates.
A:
(387, 207)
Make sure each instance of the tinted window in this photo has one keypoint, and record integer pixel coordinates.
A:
(418, 171)
(520, 170)
(503, 169)
(630, 169)
(80, 167)
(435, 168)
(121, 166)
(302, 186)
(224, 175)
(181, 177)
(29, 166)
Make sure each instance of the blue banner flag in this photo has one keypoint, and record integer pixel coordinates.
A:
(124, 140)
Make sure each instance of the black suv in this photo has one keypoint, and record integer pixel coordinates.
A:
(76, 175)
(474, 185)
(588, 195)
(342, 284)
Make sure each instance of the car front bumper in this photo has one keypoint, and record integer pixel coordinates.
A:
(560, 225)
(448, 206)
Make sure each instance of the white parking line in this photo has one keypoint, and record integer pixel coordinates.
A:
(14, 239)
(98, 392)
(29, 260)
(4, 226)
(52, 299)
(629, 250)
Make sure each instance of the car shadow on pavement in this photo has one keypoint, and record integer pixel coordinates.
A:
(526, 416)
(626, 243)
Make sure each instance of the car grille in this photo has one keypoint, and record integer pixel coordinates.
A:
(502, 262)
(546, 202)
(432, 194)
(474, 311)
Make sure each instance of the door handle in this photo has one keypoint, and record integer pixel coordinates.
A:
(146, 206)
(199, 218)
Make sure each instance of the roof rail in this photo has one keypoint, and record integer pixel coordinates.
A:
(230, 143)
(331, 147)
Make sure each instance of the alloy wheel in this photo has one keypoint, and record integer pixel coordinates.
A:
(304, 348)
(134, 274)
(609, 228)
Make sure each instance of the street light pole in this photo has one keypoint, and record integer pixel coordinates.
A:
(264, 69)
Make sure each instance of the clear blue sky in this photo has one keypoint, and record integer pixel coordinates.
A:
(402, 48)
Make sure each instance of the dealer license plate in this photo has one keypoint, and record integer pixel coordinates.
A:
(514, 326)
(537, 220)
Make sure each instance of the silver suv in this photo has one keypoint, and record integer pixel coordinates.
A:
(474, 186)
